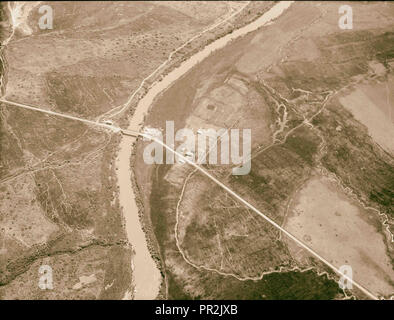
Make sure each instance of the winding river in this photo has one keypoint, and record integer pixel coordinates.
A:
(146, 275)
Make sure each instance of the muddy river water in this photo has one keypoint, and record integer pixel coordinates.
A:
(146, 275)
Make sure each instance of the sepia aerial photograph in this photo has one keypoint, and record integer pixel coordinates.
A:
(212, 151)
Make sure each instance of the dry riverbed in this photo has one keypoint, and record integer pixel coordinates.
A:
(343, 232)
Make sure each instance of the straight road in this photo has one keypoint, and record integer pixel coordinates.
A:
(206, 173)
(235, 195)
(53, 113)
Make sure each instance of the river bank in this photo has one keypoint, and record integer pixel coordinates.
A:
(145, 269)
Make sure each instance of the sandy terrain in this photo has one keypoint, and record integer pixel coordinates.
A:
(373, 106)
(96, 55)
(21, 216)
(338, 229)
